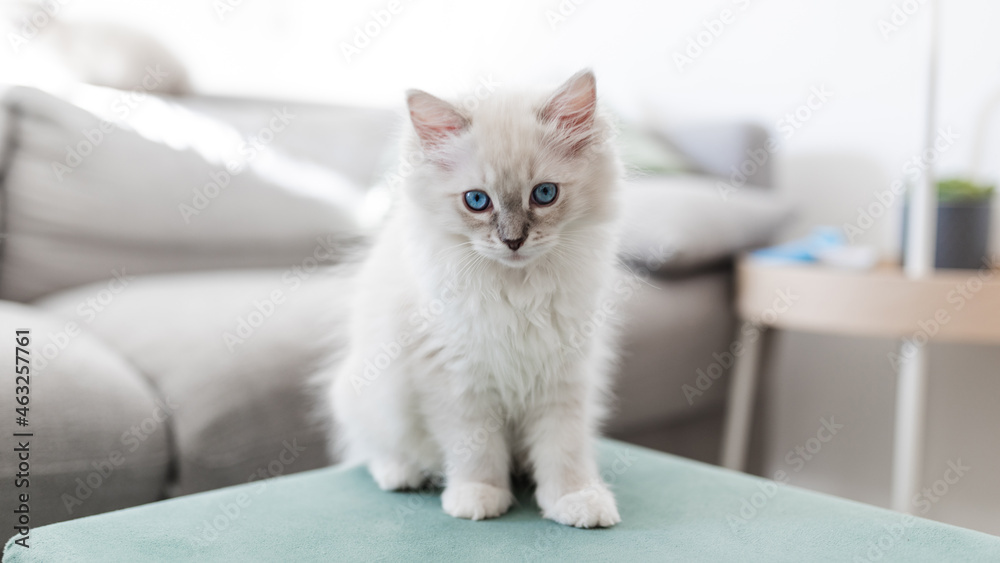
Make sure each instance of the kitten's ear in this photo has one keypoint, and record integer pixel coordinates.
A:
(433, 118)
(572, 106)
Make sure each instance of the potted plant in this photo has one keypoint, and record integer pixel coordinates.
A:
(963, 223)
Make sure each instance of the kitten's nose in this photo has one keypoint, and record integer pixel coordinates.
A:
(514, 244)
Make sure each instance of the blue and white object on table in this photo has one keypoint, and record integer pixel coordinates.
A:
(825, 245)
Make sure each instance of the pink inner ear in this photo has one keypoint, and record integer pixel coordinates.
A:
(433, 119)
(574, 104)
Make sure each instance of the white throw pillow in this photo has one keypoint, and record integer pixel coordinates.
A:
(123, 182)
(677, 223)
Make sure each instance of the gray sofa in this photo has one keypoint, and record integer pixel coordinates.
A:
(173, 346)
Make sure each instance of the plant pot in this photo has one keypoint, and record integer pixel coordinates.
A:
(963, 231)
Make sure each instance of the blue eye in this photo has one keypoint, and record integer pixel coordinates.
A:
(477, 200)
(544, 193)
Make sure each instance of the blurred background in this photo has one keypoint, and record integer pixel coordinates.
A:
(759, 68)
(835, 92)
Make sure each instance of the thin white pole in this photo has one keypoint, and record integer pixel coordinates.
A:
(911, 383)
(908, 450)
(978, 166)
(739, 410)
(922, 224)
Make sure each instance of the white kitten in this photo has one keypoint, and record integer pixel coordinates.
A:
(478, 343)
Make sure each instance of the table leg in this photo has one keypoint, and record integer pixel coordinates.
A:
(742, 393)
(911, 398)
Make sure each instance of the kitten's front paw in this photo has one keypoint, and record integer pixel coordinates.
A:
(475, 501)
(395, 476)
(593, 507)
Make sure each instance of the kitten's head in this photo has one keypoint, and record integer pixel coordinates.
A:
(518, 175)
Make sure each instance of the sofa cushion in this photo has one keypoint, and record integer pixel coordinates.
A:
(122, 182)
(101, 434)
(675, 332)
(234, 351)
(683, 222)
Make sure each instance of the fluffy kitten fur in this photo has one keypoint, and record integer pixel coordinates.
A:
(471, 360)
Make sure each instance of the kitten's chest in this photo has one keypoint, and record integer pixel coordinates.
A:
(513, 339)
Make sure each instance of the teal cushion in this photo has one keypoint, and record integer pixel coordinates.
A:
(671, 508)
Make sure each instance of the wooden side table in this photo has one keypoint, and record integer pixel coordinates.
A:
(951, 305)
